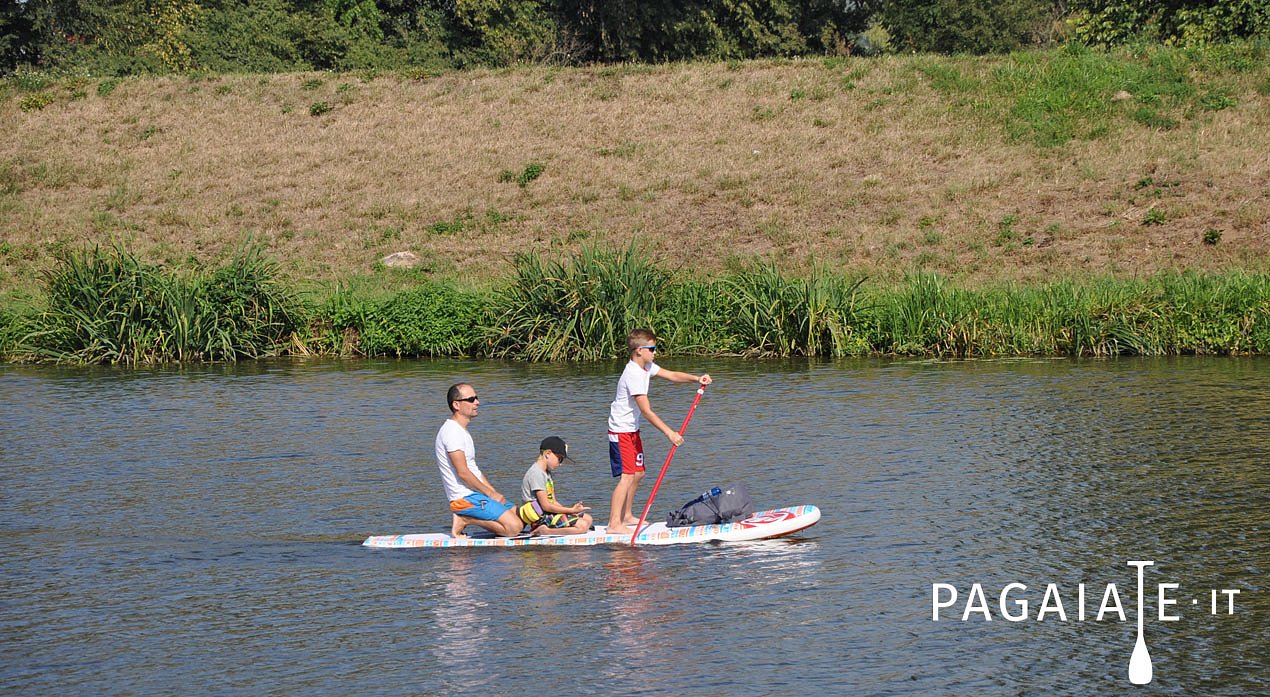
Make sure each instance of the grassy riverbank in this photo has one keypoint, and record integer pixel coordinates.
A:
(1069, 201)
(108, 307)
(1021, 167)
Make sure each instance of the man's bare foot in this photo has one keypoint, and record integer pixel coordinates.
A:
(456, 529)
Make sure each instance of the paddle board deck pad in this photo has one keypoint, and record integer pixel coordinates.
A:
(760, 526)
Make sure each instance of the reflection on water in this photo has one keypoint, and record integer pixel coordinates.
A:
(200, 526)
(465, 625)
(630, 580)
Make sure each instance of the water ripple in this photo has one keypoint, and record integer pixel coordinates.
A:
(170, 528)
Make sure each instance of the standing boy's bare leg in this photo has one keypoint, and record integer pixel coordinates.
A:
(629, 511)
(619, 506)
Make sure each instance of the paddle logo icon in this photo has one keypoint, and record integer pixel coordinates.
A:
(1140, 671)
(1080, 602)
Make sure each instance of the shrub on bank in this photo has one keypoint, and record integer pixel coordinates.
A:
(432, 320)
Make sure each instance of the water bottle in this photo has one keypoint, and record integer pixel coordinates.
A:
(706, 495)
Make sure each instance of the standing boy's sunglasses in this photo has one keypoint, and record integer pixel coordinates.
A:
(652, 348)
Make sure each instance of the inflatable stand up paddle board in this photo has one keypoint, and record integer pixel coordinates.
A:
(760, 526)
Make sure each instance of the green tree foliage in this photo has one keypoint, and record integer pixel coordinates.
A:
(612, 31)
(17, 34)
(360, 17)
(627, 30)
(740, 29)
(116, 37)
(1186, 22)
(260, 36)
(963, 26)
(500, 32)
(167, 29)
(101, 36)
(834, 26)
(284, 35)
(127, 36)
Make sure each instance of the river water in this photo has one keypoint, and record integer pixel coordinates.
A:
(197, 530)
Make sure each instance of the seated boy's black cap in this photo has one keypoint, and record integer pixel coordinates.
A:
(556, 445)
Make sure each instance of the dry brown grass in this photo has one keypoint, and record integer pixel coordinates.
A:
(859, 164)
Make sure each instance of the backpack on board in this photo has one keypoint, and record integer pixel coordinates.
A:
(714, 507)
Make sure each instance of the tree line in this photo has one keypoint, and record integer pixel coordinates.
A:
(125, 37)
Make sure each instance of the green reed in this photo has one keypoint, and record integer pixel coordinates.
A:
(110, 307)
(696, 317)
(926, 316)
(1162, 315)
(581, 308)
(776, 315)
(1229, 313)
(12, 329)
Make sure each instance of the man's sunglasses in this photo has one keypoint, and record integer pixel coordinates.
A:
(473, 398)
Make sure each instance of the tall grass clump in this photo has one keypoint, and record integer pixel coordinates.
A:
(241, 310)
(580, 309)
(1099, 317)
(12, 328)
(1170, 314)
(928, 316)
(697, 317)
(820, 315)
(1104, 317)
(110, 307)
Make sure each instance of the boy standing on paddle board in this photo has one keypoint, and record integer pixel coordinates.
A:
(473, 500)
(626, 450)
(540, 509)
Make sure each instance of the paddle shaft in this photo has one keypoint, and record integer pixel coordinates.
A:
(701, 389)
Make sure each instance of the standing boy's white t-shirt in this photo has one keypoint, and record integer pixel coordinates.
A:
(624, 414)
(450, 438)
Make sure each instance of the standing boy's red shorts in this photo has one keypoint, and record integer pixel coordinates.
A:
(626, 453)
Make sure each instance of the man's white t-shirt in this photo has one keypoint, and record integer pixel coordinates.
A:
(450, 438)
(624, 415)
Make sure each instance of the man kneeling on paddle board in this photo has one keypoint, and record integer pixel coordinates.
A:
(473, 500)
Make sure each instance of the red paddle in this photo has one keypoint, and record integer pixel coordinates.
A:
(701, 389)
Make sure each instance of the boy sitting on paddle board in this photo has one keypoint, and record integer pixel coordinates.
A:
(540, 510)
(626, 450)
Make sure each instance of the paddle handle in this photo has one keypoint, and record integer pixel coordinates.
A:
(701, 389)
